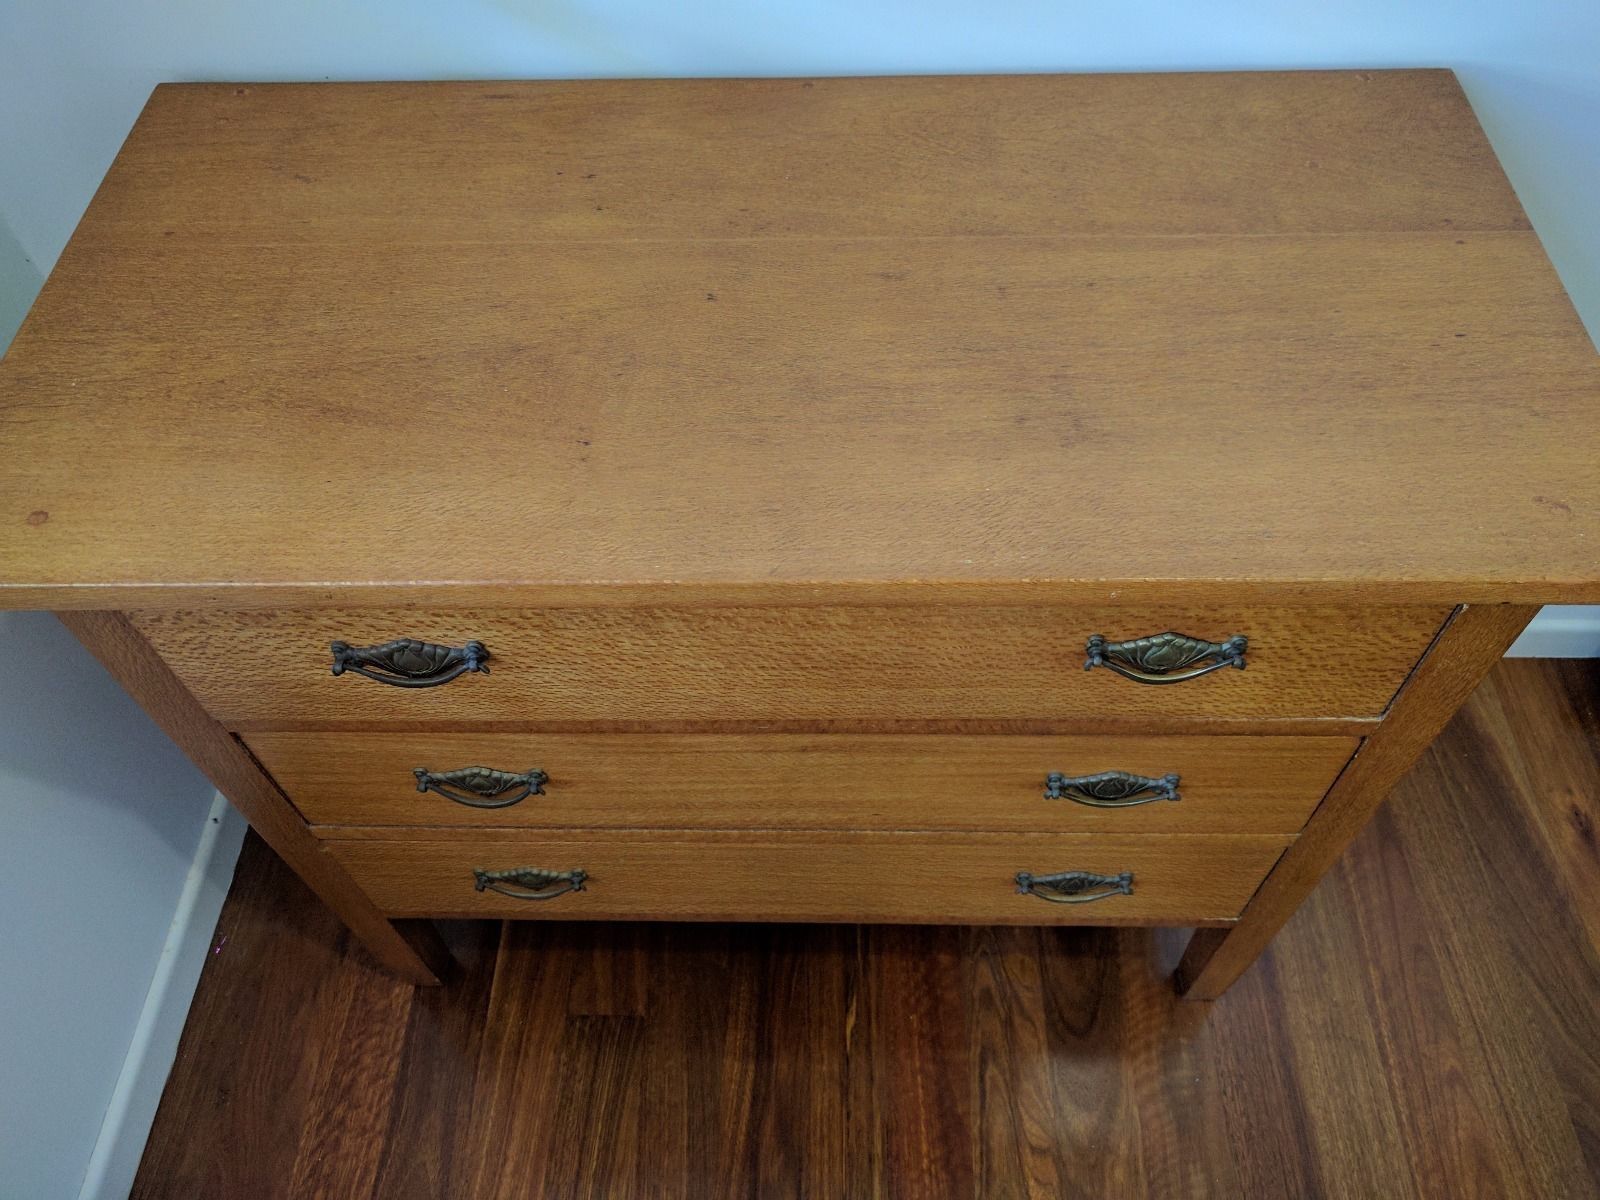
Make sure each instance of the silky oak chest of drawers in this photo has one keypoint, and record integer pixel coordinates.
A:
(1034, 499)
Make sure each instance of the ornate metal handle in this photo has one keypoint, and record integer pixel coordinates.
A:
(1074, 887)
(1163, 657)
(1110, 789)
(409, 663)
(529, 883)
(482, 787)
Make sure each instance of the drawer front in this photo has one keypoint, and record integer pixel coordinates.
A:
(254, 669)
(806, 781)
(891, 877)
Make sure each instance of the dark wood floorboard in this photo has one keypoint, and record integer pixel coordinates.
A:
(1427, 1026)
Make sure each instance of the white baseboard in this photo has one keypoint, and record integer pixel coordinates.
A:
(1561, 631)
(132, 1110)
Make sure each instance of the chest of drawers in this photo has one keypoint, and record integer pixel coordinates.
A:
(1020, 500)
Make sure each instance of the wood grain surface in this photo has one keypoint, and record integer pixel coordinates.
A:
(922, 878)
(1260, 152)
(258, 669)
(1423, 1028)
(1278, 335)
(797, 781)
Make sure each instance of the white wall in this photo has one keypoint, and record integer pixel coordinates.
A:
(19, 280)
(1561, 631)
(86, 782)
(100, 820)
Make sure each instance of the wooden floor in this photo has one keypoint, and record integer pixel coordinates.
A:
(1427, 1026)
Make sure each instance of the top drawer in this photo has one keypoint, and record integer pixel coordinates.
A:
(257, 669)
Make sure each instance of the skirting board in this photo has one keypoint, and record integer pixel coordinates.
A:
(132, 1110)
(1561, 631)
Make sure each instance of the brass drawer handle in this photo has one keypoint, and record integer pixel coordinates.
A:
(409, 663)
(529, 883)
(1163, 657)
(1110, 789)
(1074, 887)
(482, 787)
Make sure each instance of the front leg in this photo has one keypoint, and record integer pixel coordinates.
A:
(1472, 641)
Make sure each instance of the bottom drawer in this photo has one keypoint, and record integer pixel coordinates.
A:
(924, 878)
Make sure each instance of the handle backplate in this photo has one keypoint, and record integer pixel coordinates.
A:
(529, 883)
(1165, 657)
(409, 663)
(1110, 789)
(1074, 887)
(482, 787)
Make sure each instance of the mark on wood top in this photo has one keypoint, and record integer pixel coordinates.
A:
(1283, 333)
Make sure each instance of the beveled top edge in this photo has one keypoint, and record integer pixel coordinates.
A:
(488, 594)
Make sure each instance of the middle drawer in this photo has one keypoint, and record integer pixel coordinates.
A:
(1223, 784)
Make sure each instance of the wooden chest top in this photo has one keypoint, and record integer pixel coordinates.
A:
(1284, 334)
